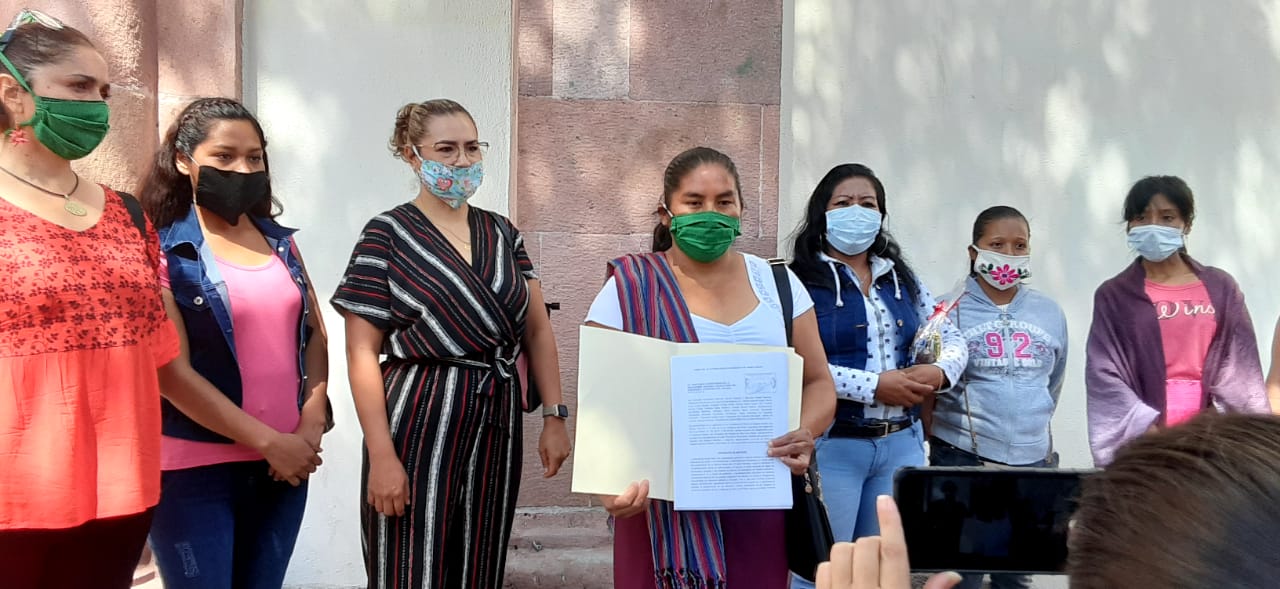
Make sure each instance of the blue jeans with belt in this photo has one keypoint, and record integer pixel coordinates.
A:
(854, 471)
(944, 454)
(225, 526)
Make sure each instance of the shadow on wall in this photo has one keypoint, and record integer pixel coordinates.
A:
(1053, 107)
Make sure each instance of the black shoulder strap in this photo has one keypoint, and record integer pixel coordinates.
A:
(135, 212)
(783, 283)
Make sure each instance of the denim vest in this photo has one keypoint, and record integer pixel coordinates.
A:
(844, 328)
(202, 298)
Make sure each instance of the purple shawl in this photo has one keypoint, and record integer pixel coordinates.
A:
(1125, 365)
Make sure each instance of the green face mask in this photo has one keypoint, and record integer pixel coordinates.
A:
(71, 129)
(705, 236)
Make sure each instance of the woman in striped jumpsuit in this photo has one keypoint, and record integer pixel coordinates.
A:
(443, 289)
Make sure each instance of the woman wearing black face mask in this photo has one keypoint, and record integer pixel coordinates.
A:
(245, 309)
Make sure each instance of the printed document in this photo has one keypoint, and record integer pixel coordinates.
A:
(725, 408)
(623, 431)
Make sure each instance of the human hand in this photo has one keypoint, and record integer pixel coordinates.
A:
(310, 428)
(633, 501)
(291, 457)
(876, 562)
(794, 449)
(553, 445)
(897, 388)
(927, 374)
(388, 486)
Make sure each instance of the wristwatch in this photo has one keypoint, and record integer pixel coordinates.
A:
(561, 411)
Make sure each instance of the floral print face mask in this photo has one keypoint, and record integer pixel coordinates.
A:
(1001, 271)
(452, 184)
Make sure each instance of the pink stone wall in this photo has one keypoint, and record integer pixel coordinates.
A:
(609, 93)
(161, 53)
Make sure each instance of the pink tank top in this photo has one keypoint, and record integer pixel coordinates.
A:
(265, 307)
(1187, 324)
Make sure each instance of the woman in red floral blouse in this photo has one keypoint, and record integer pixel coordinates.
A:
(85, 343)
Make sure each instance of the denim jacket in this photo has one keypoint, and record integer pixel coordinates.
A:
(202, 298)
(843, 326)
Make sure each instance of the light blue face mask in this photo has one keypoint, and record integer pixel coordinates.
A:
(852, 230)
(452, 184)
(1155, 243)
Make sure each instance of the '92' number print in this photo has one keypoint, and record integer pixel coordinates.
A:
(1021, 340)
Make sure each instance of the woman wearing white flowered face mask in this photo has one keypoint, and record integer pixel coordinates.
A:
(1000, 410)
(1170, 337)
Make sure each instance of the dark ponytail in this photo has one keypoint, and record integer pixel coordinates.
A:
(682, 165)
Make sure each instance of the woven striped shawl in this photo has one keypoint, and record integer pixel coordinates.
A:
(688, 546)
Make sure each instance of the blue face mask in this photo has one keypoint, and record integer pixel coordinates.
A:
(452, 184)
(1155, 243)
(852, 230)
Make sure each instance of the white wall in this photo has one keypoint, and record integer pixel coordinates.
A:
(1056, 108)
(326, 78)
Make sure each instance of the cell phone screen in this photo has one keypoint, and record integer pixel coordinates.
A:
(987, 520)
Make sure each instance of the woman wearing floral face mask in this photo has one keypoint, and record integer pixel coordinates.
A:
(1206, 355)
(448, 293)
(869, 307)
(707, 292)
(1000, 410)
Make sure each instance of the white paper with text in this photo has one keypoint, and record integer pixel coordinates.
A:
(725, 408)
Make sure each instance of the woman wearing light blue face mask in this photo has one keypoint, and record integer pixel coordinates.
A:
(448, 293)
(869, 306)
(1207, 353)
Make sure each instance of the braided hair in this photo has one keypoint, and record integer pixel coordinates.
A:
(166, 193)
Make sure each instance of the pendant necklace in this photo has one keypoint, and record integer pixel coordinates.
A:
(68, 205)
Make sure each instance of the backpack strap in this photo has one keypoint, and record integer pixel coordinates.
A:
(783, 282)
(135, 213)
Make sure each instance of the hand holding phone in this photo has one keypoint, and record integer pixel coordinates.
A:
(987, 520)
(876, 562)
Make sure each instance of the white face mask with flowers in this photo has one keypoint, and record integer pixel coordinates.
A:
(999, 270)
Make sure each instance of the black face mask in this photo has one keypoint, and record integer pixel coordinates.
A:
(231, 194)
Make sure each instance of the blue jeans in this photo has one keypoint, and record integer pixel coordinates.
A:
(943, 454)
(225, 526)
(854, 471)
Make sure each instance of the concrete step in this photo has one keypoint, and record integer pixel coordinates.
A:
(560, 547)
(560, 528)
(575, 568)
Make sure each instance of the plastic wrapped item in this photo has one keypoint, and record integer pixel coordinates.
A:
(927, 345)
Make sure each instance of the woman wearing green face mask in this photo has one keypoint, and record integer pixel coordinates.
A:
(86, 349)
(696, 288)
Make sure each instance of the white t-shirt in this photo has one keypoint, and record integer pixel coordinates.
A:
(762, 326)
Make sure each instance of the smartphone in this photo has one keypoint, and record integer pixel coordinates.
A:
(987, 520)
